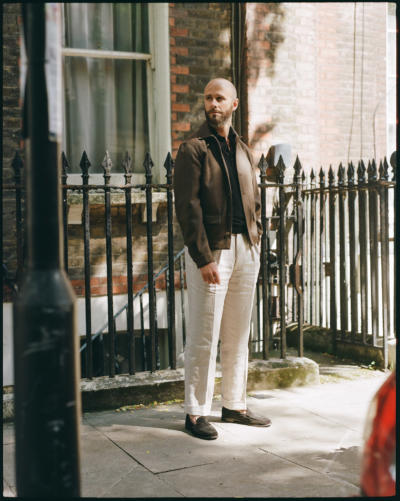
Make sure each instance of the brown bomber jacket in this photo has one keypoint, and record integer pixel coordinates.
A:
(203, 198)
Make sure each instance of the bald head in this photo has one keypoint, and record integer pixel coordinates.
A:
(221, 83)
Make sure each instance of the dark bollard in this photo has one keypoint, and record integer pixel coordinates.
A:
(47, 400)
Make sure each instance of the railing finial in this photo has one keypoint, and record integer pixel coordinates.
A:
(148, 165)
(372, 171)
(262, 165)
(384, 170)
(321, 176)
(297, 166)
(107, 165)
(331, 176)
(281, 170)
(127, 166)
(168, 165)
(350, 174)
(84, 164)
(361, 172)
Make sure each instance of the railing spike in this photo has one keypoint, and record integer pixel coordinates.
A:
(297, 166)
(127, 164)
(262, 165)
(84, 164)
(341, 174)
(350, 174)
(321, 176)
(107, 165)
(169, 164)
(372, 171)
(385, 171)
(148, 165)
(361, 172)
(281, 169)
(331, 175)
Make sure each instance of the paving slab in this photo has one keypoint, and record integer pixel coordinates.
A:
(312, 448)
(259, 474)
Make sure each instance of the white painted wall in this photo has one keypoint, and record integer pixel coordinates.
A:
(99, 320)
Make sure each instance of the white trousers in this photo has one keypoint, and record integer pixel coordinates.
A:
(220, 311)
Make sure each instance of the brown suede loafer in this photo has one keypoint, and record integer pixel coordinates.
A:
(231, 416)
(201, 429)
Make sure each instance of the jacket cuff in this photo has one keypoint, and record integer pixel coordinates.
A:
(200, 259)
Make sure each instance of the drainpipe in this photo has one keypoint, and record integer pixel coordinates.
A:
(47, 400)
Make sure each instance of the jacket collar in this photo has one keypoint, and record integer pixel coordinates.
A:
(204, 131)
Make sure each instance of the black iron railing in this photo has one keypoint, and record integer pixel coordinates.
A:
(327, 251)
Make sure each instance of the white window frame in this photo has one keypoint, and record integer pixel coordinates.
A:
(390, 83)
(158, 93)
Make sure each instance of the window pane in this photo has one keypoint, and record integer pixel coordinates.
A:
(107, 26)
(105, 109)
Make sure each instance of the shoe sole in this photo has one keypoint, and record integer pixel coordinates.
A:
(204, 437)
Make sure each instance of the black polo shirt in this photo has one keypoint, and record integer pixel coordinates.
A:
(229, 154)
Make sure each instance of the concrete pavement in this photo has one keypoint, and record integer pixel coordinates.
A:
(312, 448)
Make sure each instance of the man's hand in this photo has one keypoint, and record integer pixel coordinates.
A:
(210, 273)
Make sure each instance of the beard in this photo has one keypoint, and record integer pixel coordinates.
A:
(220, 120)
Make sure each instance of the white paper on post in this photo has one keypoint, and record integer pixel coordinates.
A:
(53, 71)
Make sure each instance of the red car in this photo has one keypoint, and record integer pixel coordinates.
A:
(378, 468)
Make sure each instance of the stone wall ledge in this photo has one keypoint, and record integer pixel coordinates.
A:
(104, 393)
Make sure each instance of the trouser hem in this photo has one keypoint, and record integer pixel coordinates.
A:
(197, 411)
(234, 406)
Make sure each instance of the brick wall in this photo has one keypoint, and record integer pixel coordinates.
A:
(300, 87)
(200, 50)
(98, 266)
(11, 123)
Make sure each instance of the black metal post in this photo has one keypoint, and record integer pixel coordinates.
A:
(148, 165)
(384, 238)
(321, 245)
(332, 258)
(373, 246)
(282, 255)
(85, 165)
(264, 260)
(352, 252)
(362, 214)
(312, 281)
(127, 165)
(64, 177)
(299, 286)
(342, 253)
(171, 266)
(107, 165)
(47, 400)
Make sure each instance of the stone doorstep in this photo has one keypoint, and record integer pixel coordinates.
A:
(104, 393)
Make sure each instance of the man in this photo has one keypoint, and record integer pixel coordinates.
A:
(218, 208)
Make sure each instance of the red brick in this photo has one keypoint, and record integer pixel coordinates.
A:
(179, 32)
(173, 60)
(182, 126)
(172, 21)
(180, 88)
(181, 51)
(180, 70)
(180, 107)
(173, 118)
